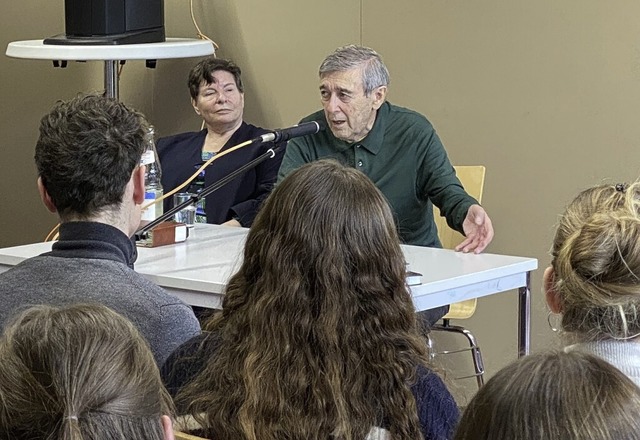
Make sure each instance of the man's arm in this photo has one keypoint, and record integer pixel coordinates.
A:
(437, 180)
(178, 325)
(478, 230)
(463, 212)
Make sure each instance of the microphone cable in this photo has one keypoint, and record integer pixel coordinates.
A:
(198, 171)
(199, 33)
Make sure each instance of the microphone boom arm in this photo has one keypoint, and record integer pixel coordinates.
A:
(269, 154)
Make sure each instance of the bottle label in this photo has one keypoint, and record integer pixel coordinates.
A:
(149, 213)
(147, 157)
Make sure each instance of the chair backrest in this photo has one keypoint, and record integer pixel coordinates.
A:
(179, 435)
(472, 179)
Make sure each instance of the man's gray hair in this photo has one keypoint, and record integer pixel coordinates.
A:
(374, 73)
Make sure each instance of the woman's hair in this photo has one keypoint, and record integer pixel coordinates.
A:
(204, 70)
(596, 262)
(78, 372)
(557, 395)
(318, 335)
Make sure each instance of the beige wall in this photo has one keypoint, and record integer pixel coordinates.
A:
(545, 94)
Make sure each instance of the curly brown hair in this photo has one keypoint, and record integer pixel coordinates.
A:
(318, 336)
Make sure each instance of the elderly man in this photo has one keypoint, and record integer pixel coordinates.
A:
(397, 148)
(89, 173)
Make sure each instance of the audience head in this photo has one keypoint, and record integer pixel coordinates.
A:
(594, 278)
(353, 86)
(558, 395)
(88, 156)
(79, 372)
(217, 93)
(317, 334)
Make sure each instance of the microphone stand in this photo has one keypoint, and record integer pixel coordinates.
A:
(141, 234)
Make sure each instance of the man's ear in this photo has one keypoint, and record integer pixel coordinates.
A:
(379, 95)
(138, 184)
(45, 197)
(167, 427)
(551, 294)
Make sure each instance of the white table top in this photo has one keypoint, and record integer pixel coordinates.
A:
(198, 269)
(171, 48)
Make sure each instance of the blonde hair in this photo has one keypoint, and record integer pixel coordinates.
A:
(78, 372)
(557, 395)
(596, 262)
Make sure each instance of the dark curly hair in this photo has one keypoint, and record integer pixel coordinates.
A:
(87, 149)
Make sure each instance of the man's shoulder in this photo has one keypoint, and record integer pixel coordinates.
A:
(31, 267)
(46, 279)
(74, 273)
(54, 279)
(403, 114)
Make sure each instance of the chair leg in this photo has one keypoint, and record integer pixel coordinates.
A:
(429, 342)
(476, 354)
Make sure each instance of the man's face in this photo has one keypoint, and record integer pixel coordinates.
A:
(220, 103)
(350, 114)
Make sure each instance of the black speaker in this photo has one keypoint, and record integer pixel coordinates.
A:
(94, 22)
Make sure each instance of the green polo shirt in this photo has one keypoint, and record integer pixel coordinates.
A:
(406, 160)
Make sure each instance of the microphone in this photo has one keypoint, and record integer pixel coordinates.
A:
(284, 134)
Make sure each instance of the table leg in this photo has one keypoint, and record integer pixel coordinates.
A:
(111, 79)
(524, 318)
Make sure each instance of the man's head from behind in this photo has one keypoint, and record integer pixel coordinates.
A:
(86, 154)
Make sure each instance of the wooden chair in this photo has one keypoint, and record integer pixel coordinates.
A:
(185, 424)
(179, 435)
(472, 178)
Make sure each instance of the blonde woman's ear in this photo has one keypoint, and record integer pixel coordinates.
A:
(552, 296)
(167, 427)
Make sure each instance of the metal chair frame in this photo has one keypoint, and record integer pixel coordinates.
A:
(472, 179)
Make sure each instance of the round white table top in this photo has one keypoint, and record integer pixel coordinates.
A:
(171, 48)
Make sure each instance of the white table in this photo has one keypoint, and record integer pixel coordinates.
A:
(198, 269)
(111, 54)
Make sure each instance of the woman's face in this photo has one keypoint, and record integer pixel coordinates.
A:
(220, 103)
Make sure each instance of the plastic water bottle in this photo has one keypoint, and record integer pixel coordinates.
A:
(152, 179)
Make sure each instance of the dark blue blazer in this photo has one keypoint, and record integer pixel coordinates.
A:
(241, 198)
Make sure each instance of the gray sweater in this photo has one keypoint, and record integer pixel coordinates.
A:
(622, 354)
(92, 263)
